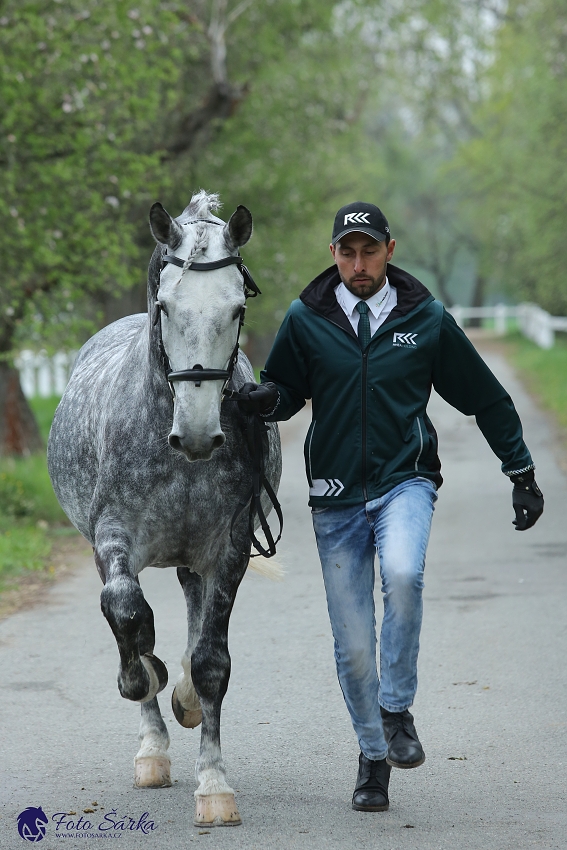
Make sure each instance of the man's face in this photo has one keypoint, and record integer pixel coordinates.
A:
(361, 262)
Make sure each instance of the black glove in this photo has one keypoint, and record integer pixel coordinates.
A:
(527, 500)
(261, 398)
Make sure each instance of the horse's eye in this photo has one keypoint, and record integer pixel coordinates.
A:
(236, 313)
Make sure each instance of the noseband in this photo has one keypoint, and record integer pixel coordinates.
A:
(198, 373)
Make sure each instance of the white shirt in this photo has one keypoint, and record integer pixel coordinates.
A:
(380, 305)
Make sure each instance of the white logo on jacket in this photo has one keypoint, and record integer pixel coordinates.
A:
(404, 339)
(326, 487)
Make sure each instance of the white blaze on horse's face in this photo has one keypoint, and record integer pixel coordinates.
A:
(200, 319)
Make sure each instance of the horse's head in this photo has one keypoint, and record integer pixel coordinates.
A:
(200, 313)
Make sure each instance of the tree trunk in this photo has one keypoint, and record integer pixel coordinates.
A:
(19, 434)
(478, 298)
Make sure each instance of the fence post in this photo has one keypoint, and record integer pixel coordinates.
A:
(457, 313)
(500, 315)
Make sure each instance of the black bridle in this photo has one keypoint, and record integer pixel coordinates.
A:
(256, 428)
(198, 373)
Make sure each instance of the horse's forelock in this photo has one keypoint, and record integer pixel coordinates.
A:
(201, 204)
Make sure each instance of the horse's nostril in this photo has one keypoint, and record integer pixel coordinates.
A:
(219, 441)
(175, 442)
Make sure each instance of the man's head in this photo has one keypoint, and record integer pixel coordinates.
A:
(361, 247)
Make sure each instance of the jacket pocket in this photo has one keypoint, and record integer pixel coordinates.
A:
(307, 452)
(423, 443)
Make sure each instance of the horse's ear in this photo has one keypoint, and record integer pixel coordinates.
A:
(163, 227)
(239, 228)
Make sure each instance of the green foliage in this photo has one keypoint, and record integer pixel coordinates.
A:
(82, 85)
(13, 500)
(30, 515)
(26, 492)
(543, 371)
(44, 410)
(110, 106)
(22, 548)
(516, 162)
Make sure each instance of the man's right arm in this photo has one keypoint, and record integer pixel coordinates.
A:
(287, 368)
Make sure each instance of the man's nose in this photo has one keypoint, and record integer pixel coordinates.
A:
(358, 264)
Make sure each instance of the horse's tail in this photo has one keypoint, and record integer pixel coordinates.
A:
(266, 567)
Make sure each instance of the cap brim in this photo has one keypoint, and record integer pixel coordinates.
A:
(380, 237)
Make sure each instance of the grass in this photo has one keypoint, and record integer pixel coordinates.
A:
(544, 372)
(30, 516)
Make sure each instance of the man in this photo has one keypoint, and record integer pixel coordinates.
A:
(366, 341)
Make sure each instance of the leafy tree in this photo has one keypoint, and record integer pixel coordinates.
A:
(108, 106)
(516, 163)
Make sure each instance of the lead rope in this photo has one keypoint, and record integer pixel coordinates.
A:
(258, 446)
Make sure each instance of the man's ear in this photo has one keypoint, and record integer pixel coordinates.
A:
(391, 246)
(332, 250)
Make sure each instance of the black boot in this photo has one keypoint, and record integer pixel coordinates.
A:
(404, 748)
(371, 790)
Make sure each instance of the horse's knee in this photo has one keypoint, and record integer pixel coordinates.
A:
(141, 674)
(122, 603)
(210, 671)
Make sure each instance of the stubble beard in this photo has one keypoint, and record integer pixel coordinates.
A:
(367, 288)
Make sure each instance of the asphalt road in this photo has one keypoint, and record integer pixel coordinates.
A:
(491, 707)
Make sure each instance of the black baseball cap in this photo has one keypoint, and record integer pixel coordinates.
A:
(360, 218)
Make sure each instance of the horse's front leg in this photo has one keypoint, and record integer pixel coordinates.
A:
(184, 700)
(210, 671)
(141, 675)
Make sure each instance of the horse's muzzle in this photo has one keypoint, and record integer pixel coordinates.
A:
(193, 450)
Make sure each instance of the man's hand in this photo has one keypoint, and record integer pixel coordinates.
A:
(261, 398)
(527, 500)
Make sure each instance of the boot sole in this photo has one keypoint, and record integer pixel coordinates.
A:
(370, 808)
(404, 766)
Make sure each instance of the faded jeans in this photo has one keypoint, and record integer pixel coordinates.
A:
(397, 526)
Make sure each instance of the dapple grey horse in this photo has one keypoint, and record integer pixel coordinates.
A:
(152, 479)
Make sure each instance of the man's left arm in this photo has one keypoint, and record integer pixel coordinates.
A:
(463, 379)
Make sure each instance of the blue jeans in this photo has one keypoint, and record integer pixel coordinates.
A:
(397, 525)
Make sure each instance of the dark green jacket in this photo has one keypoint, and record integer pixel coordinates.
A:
(370, 429)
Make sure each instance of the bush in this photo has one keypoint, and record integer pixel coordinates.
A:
(30, 516)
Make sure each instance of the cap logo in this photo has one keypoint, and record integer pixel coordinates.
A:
(356, 218)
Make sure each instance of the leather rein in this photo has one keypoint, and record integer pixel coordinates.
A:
(256, 428)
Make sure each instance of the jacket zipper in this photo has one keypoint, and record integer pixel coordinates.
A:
(309, 454)
(364, 373)
(420, 443)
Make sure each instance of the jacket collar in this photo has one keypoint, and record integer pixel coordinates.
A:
(320, 295)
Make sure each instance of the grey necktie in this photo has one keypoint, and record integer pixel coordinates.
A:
(363, 324)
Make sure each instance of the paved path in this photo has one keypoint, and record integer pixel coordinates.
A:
(491, 708)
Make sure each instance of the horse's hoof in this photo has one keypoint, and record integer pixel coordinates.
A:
(152, 772)
(157, 671)
(216, 810)
(186, 717)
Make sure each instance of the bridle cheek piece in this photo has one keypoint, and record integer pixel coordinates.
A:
(256, 428)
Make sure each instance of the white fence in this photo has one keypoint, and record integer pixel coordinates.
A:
(43, 376)
(535, 323)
